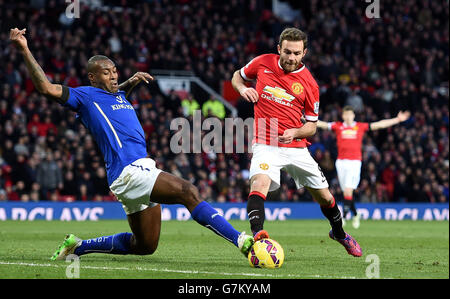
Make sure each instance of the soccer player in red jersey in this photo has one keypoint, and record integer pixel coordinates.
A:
(285, 93)
(349, 136)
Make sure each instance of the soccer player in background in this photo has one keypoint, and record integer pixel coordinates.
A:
(133, 177)
(284, 89)
(349, 136)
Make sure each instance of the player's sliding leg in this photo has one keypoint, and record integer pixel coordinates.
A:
(146, 228)
(331, 212)
(259, 187)
(145, 225)
(115, 244)
(170, 189)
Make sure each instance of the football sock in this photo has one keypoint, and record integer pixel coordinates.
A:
(255, 211)
(347, 205)
(334, 216)
(115, 244)
(207, 216)
(353, 208)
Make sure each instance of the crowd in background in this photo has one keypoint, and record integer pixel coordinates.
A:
(379, 66)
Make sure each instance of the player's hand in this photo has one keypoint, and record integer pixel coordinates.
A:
(250, 94)
(18, 38)
(288, 136)
(139, 77)
(403, 115)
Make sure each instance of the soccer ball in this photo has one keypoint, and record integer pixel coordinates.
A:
(266, 253)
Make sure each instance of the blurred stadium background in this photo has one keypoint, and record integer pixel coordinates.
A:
(378, 65)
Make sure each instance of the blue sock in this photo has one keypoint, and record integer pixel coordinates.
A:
(115, 244)
(207, 216)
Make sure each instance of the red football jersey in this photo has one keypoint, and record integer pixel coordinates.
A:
(349, 139)
(283, 99)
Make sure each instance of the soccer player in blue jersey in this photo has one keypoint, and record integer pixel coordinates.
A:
(133, 178)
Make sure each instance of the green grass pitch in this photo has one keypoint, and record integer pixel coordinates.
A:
(403, 249)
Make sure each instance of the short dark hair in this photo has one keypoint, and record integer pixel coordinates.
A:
(294, 34)
(92, 62)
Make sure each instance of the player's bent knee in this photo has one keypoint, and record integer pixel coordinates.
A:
(146, 248)
(190, 194)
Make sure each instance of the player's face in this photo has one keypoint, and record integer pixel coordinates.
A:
(348, 116)
(105, 76)
(291, 55)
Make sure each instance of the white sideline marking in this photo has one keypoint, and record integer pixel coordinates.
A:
(183, 271)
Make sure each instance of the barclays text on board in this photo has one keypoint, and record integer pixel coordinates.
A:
(92, 211)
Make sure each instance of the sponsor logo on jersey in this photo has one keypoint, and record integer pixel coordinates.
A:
(278, 95)
(123, 104)
(349, 133)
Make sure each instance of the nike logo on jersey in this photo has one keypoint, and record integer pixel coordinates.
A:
(266, 71)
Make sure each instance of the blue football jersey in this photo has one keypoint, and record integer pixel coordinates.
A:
(113, 123)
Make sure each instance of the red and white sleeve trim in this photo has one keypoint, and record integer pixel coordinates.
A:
(311, 118)
(243, 75)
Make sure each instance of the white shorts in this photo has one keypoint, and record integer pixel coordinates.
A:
(135, 184)
(298, 162)
(349, 173)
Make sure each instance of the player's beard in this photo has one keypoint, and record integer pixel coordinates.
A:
(288, 67)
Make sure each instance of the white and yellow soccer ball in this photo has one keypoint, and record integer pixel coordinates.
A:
(266, 253)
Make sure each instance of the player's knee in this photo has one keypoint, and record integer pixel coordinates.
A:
(150, 249)
(146, 247)
(190, 195)
(329, 200)
(322, 196)
(326, 199)
(260, 184)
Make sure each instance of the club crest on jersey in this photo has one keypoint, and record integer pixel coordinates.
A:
(264, 166)
(119, 99)
(297, 88)
(123, 104)
(278, 95)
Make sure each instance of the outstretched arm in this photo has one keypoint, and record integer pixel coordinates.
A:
(322, 125)
(386, 123)
(132, 82)
(38, 77)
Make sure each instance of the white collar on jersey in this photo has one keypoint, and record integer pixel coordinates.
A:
(297, 71)
(349, 126)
